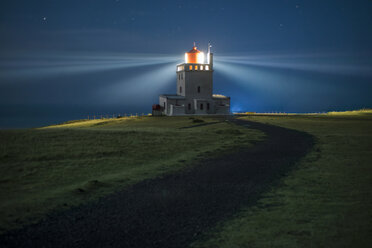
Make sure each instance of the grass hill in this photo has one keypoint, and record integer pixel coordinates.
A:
(56, 167)
(325, 202)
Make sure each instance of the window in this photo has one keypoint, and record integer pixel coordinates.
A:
(201, 106)
(180, 89)
(198, 89)
(190, 67)
(179, 76)
(189, 106)
(201, 67)
(207, 106)
(196, 68)
(182, 76)
(207, 67)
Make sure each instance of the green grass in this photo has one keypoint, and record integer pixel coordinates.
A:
(325, 202)
(352, 112)
(53, 168)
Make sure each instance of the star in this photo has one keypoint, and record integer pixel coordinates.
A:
(44, 18)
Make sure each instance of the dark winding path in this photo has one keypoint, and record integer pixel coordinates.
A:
(174, 210)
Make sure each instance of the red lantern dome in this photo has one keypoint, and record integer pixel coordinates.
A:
(194, 56)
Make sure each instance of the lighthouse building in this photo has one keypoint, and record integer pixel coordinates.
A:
(194, 89)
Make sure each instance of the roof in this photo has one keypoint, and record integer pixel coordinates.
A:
(220, 96)
(194, 50)
(169, 96)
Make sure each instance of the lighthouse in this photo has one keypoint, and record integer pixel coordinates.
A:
(194, 89)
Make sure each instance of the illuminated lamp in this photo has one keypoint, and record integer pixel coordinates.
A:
(194, 56)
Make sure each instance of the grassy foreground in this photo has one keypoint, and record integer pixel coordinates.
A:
(325, 202)
(54, 168)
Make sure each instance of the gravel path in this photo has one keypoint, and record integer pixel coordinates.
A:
(174, 210)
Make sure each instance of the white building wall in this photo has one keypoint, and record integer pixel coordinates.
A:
(163, 104)
(177, 110)
(202, 79)
(181, 83)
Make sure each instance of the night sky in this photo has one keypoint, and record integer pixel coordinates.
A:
(63, 60)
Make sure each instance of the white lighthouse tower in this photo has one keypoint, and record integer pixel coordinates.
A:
(194, 89)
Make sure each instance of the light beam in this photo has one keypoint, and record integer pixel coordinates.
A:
(339, 64)
(46, 66)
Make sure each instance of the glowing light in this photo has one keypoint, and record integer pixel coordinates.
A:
(219, 96)
(200, 58)
(194, 58)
